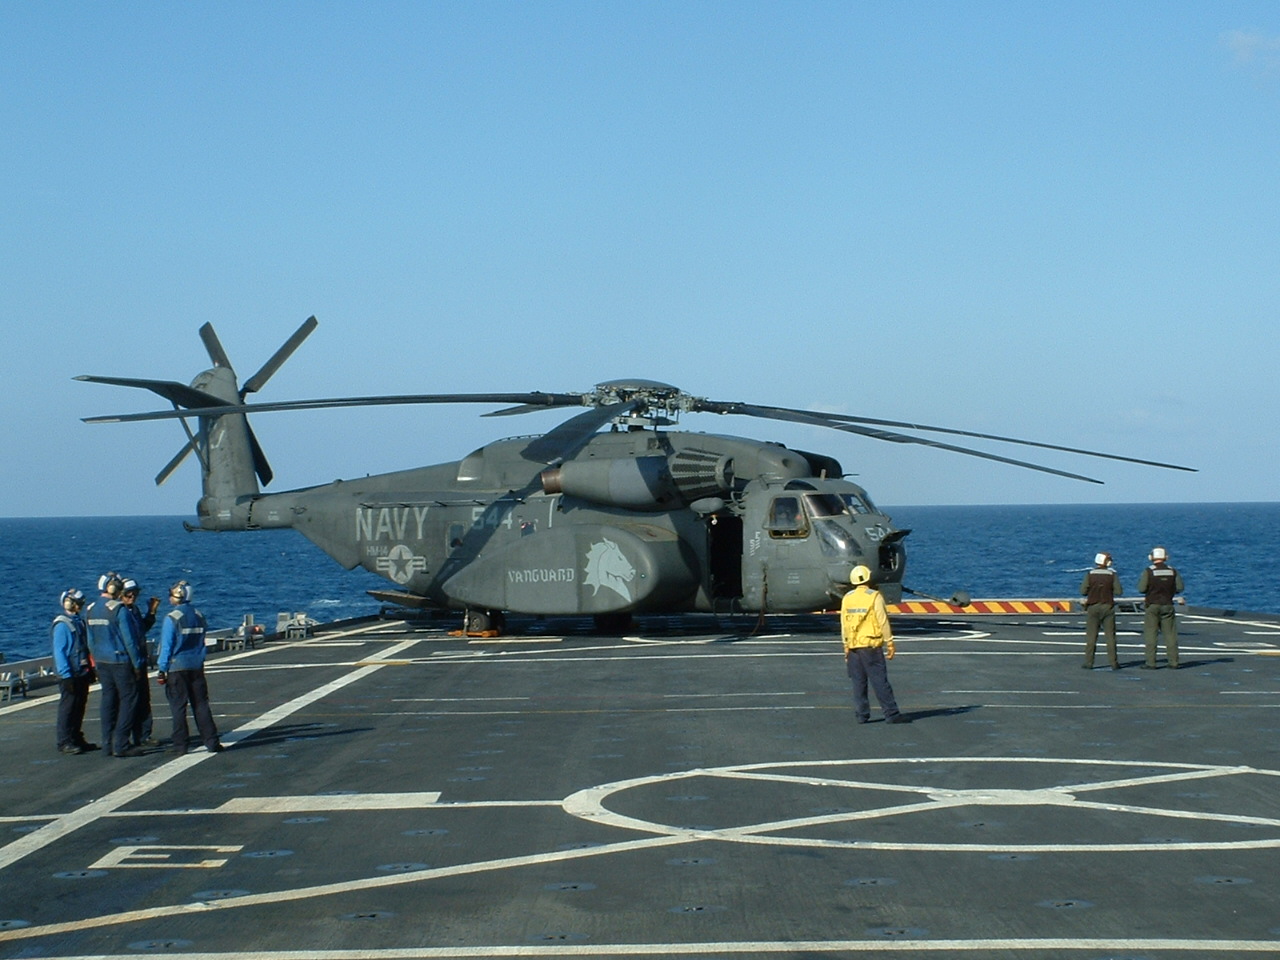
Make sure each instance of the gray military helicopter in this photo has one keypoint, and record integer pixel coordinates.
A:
(636, 519)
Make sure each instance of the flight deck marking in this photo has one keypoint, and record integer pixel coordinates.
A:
(159, 856)
(785, 947)
(479, 641)
(311, 804)
(1051, 693)
(334, 804)
(1076, 633)
(755, 835)
(588, 805)
(68, 823)
(1196, 617)
(460, 699)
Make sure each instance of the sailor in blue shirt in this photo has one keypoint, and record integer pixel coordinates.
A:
(114, 651)
(75, 675)
(139, 624)
(180, 666)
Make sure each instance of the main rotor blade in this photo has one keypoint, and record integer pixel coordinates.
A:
(213, 346)
(212, 408)
(561, 400)
(259, 379)
(754, 410)
(568, 437)
(992, 436)
(174, 392)
(822, 420)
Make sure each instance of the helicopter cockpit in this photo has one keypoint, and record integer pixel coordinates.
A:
(832, 519)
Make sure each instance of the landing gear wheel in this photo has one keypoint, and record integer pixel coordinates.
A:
(485, 623)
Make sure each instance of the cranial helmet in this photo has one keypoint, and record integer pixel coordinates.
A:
(859, 575)
(108, 581)
(1102, 559)
(73, 594)
(181, 590)
(129, 586)
(1159, 553)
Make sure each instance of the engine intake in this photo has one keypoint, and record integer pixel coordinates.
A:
(635, 483)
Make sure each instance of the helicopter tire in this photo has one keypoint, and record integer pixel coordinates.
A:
(483, 622)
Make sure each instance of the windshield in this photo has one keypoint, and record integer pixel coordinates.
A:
(858, 504)
(824, 505)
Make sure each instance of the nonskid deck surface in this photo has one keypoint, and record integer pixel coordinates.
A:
(692, 790)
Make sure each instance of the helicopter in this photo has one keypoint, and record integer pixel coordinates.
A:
(639, 518)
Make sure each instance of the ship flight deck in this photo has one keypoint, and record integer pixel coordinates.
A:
(696, 789)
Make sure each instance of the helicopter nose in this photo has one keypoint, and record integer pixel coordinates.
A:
(838, 573)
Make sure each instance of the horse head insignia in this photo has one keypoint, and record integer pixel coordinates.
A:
(607, 567)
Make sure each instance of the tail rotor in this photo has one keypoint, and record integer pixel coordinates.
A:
(213, 389)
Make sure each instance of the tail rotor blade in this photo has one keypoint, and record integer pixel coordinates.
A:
(259, 379)
(260, 465)
(214, 346)
(176, 462)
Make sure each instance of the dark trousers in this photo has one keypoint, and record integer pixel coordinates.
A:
(119, 703)
(184, 687)
(1100, 615)
(868, 664)
(141, 730)
(1160, 619)
(73, 697)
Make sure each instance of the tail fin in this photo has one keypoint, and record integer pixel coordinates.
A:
(231, 459)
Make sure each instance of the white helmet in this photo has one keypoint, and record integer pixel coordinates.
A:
(1102, 559)
(859, 575)
(1159, 553)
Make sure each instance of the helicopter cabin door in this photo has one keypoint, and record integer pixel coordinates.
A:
(724, 558)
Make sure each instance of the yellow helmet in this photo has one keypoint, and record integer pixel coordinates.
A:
(859, 575)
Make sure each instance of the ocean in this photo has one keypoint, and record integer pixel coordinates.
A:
(988, 551)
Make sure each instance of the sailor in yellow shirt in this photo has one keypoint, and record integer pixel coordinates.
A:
(868, 642)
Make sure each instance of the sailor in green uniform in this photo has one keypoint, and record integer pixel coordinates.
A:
(1100, 587)
(1158, 583)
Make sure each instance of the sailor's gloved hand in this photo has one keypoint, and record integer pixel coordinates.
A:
(153, 604)
(889, 650)
(161, 677)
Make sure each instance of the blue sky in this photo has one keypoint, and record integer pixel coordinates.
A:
(1059, 224)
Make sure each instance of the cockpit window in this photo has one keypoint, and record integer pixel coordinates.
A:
(787, 519)
(858, 504)
(824, 505)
